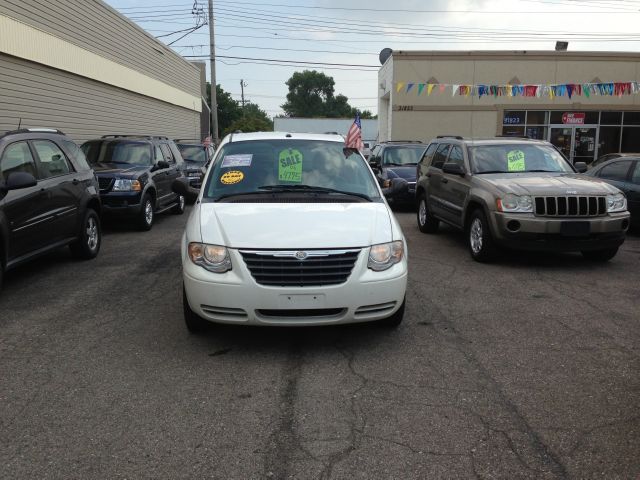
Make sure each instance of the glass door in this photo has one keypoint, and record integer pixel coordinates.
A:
(576, 142)
(562, 138)
(584, 144)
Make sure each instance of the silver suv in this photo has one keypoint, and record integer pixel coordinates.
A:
(518, 193)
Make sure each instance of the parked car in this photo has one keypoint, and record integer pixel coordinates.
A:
(397, 159)
(135, 174)
(610, 156)
(48, 197)
(291, 229)
(518, 193)
(623, 172)
(196, 157)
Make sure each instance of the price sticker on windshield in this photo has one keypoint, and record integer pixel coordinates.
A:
(290, 166)
(515, 161)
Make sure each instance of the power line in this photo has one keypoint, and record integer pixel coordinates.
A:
(288, 61)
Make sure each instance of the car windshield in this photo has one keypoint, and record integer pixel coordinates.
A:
(517, 158)
(193, 153)
(281, 166)
(402, 155)
(132, 153)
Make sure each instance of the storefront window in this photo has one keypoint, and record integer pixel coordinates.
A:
(630, 139)
(539, 133)
(609, 140)
(513, 131)
(632, 118)
(513, 118)
(610, 118)
(537, 118)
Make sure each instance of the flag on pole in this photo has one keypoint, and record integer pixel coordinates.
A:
(354, 135)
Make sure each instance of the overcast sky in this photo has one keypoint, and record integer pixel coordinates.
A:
(286, 30)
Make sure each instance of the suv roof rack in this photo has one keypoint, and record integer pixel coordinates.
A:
(35, 130)
(147, 137)
(402, 141)
(187, 140)
(457, 137)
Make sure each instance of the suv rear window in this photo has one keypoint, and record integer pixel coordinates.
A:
(402, 155)
(515, 158)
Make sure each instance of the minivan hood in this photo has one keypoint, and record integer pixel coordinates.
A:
(295, 225)
(548, 184)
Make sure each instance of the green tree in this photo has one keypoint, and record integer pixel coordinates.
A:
(254, 119)
(229, 110)
(312, 94)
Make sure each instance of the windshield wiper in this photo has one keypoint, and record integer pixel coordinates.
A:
(239, 194)
(494, 171)
(549, 171)
(311, 189)
(394, 164)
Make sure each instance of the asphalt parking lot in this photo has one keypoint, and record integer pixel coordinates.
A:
(527, 368)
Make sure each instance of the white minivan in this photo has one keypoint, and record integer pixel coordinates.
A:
(291, 229)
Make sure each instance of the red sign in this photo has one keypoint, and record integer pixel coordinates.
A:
(573, 118)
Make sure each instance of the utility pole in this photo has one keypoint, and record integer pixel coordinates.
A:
(212, 62)
(242, 85)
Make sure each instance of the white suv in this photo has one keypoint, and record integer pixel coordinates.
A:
(291, 229)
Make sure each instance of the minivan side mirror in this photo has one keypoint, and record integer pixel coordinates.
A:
(581, 167)
(453, 169)
(162, 164)
(18, 180)
(398, 186)
(181, 187)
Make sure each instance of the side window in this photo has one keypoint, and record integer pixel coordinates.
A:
(176, 153)
(455, 156)
(635, 176)
(158, 154)
(77, 154)
(428, 155)
(17, 158)
(440, 156)
(52, 162)
(168, 156)
(616, 171)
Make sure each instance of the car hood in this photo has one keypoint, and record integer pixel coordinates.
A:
(118, 169)
(408, 173)
(295, 225)
(549, 184)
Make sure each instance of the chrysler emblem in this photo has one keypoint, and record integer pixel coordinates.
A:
(301, 255)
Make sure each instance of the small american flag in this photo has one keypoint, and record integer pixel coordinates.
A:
(354, 135)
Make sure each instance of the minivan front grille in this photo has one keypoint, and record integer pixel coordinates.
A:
(289, 269)
(570, 206)
(105, 183)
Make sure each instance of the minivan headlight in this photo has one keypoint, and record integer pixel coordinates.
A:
(214, 258)
(515, 203)
(384, 255)
(616, 203)
(126, 185)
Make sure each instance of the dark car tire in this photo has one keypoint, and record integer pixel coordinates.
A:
(600, 255)
(195, 323)
(394, 320)
(147, 213)
(180, 206)
(90, 237)
(481, 244)
(426, 222)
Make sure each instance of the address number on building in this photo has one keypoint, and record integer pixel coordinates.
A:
(405, 108)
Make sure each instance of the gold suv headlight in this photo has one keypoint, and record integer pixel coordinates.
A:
(214, 258)
(515, 203)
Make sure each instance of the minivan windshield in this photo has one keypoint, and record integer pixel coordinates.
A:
(517, 158)
(399, 156)
(126, 152)
(273, 167)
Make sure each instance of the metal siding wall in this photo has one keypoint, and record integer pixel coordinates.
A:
(92, 25)
(83, 108)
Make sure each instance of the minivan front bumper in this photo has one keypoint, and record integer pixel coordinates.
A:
(235, 297)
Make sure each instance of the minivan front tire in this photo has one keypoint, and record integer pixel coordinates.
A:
(194, 323)
(90, 237)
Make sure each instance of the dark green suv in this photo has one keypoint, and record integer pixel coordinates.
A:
(518, 193)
